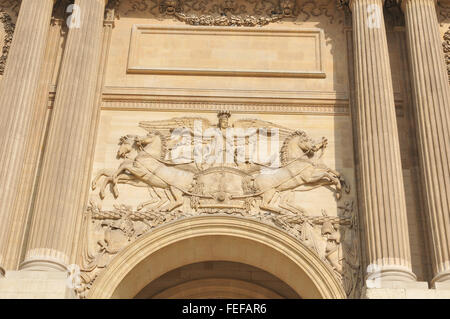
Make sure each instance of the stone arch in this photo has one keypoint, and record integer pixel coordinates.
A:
(217, 238)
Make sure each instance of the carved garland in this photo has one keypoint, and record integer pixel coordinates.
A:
(123, 225)
(249, 13)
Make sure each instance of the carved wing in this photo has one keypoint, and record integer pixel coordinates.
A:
(166, 127)
(178, 144)
(255, 123)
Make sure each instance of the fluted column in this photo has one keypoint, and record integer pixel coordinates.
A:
(431, 96)
(17, 100)
(380, 170)
(59, 201)
(35, 139)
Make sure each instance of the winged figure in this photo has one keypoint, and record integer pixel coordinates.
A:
(195, 140)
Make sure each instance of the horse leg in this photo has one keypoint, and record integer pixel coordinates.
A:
(100, 174)
(324, 178)
(178, 195)
(121, 179)
(175, 197)
(267, 200)
(164, 198)
(335, 180)
(155, 198)
(103, 184)
(122, 167)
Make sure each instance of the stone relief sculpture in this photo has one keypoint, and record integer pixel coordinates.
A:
(193, 167)
(216, 170)
(247, 13)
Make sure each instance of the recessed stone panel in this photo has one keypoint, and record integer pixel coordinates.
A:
(226, 51)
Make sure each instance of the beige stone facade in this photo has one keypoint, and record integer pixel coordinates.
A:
(225, 149)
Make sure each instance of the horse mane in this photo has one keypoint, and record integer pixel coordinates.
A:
(163, 143)
(125, 139)
(284, 149)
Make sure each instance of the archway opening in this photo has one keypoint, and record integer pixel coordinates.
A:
(217, 280)
(217, 239)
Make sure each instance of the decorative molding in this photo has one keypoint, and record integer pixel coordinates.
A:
(231, 94)
(325, 109)
(234, 12)
(328, 105)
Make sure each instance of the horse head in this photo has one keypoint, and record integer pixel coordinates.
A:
(296, 146)
(306, 144)
(125, 147)
(153, 144)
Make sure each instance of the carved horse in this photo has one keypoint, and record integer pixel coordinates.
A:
(300, 167)
(149, 169)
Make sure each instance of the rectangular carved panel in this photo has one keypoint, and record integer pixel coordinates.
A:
(226, 51)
